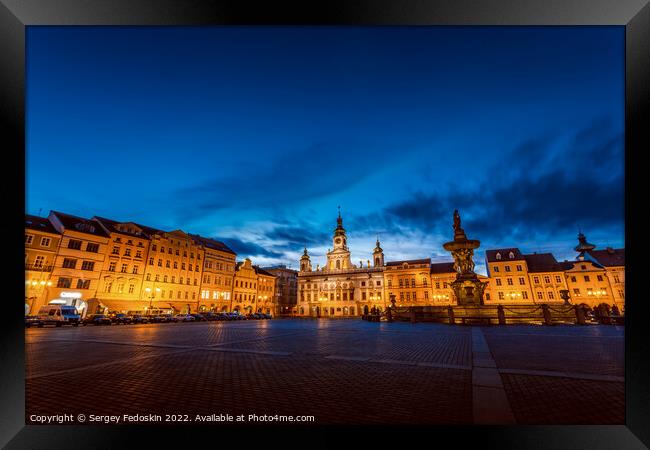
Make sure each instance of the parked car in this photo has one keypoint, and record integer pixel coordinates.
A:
(97, 319)
(267, 316)
(184, 318)
(139, 318)
(210, 316)
(122, 319)
(199, 317)
(222, 316)
(167, 318)
(33, 321)
(59, 315)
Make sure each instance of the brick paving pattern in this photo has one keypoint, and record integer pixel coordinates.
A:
(340, 371)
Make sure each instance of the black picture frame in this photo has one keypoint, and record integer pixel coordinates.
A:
(16, 15)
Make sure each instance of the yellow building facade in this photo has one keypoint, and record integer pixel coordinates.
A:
(253, 289)
(218, 273)
(79, 261)
(41, 246)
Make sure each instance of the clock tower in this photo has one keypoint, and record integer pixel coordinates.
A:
(339, 256)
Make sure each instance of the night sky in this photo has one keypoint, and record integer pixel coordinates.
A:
(254, 136)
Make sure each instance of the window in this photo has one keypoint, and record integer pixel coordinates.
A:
(167, 263)
(550, 295)
(92, 248)
(524, 295)
(83, 284)
(437, 284)
(177, 252)
(108, 286)
(29, 238)
(547, 279)
(131, 288)
(154, 247)
(151, 261)
(182, 266)
(138, 253)
(498, 280)
(599, 277)
(576, 291)
(125, 267)
(192, 255)
(519, 269)
(185, 295)
(178, 294)
(487, 296)
(426, 295)
(87, 265)
(181, 280)
(162, 249)
(111, 266)
(45, 241)
(120, 288)
(38, 262)
(72, 243)
(116, 250)
(616, 279)
(64, 282)
(165, 279)
(444, 284)
(509, 280)
(185, 253)
(583, 267)
(127, 252)
(363, 296)
(540, 296)
(169, 251)
(173, 279)
(135, 269)
(511, 255)
(573, 279)
(424, 282)
(159, 262)
(522, 281)
(500, 295)
(401, 283)
(496, 268)
(175, 265)
(558, 279)
(587, 278)
(157, 277)
(148, 277)
(69, 263)
(408, 296)
(507, 268)
(498, 256)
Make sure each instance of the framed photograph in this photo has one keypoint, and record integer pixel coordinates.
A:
(411, 219)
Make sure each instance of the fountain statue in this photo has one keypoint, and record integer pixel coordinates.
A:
(467, 287)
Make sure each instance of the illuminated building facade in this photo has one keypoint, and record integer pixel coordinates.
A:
(217, 277)
(340, 288)
(254, 289)
(286, 289)
(79, 261)
(41, 245)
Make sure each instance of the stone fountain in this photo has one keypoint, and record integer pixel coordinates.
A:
(467, 287)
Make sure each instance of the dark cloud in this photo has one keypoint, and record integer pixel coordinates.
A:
(542, 187)
(245, 249)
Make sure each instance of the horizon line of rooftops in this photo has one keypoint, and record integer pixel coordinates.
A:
(605, 257)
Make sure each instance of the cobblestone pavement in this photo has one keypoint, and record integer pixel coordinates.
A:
(339, 371)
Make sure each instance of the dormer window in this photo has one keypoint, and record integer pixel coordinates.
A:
(498, 256)
(85, 227)
(511, 255)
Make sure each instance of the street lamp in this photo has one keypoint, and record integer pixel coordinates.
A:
(151, 293)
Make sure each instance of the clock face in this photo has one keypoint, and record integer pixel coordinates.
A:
(337, 240)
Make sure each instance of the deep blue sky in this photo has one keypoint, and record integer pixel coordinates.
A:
(255, 135)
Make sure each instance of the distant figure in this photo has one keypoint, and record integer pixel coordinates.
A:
(456, 220)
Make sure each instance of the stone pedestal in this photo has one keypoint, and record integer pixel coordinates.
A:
(467, 287)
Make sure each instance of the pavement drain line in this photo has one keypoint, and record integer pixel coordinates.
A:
(490, 403)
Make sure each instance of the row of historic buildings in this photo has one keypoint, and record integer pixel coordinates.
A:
(100, 264)
(341, 288)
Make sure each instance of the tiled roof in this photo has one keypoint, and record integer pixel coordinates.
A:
(609, 257)
(113, 227)
(80, 224)
(212, 243)
(542, 262)
(261, 271)
(409, 262)
(445, 267)
(491, 255)
(40, 224)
